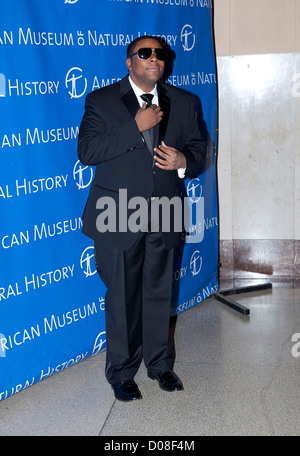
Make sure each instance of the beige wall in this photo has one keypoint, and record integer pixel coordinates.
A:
(257, 26)
(258, 52)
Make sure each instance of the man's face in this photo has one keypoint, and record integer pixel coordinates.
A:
(145, 73)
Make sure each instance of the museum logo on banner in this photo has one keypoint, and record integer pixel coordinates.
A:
(195, 263)
(87, 262)
(187, 37)
(82, 175)
(99, 344)
(73, 79)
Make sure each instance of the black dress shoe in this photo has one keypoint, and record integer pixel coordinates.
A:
(168, 381)
(126, 391)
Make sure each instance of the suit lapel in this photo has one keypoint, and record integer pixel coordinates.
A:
(128, 97)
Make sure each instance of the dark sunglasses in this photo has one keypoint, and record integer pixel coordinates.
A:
(145, 53)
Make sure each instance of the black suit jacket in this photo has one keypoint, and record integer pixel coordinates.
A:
(109, 138)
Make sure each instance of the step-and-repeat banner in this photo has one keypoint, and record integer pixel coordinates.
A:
(51, 55)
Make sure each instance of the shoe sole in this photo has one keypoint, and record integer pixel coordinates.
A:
(128, 400)
(153, 377)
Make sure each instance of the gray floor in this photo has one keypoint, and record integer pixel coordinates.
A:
(239, 373)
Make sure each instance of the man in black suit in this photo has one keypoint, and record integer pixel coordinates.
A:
(143, 137)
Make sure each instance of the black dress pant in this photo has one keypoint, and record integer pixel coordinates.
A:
(137, 306)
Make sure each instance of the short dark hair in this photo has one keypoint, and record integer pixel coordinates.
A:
(131, 45)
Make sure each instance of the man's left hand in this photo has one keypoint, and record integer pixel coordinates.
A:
(170, 158)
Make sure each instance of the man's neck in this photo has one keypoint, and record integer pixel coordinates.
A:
(145, 88)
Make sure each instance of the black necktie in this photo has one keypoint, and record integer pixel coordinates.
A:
(149, 134)
(147, 97)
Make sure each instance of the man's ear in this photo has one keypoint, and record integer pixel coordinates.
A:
(128, 63)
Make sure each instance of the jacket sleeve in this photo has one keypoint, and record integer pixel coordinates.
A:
(195, 146)
(99, 139)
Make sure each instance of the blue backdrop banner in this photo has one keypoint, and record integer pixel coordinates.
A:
(51, 55)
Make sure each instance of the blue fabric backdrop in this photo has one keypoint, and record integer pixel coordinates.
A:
(51, 55)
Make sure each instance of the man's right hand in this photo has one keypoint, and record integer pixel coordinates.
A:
(148, 118)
